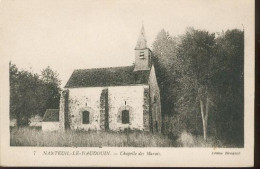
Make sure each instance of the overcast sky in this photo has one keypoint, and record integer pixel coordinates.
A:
(77, 34)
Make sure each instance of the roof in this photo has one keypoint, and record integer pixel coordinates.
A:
(51, 115)
(141, 42)
(113, 76)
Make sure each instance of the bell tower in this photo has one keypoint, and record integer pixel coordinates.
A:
(142, 53)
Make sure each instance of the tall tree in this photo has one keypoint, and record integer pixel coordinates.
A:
(52, 86)
(23, 94)
(229, 82)
(202, 76)
(50, 76)
(194, 65)
(163, 58)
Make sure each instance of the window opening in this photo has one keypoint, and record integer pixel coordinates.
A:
(85, 117)
(141, 55)
(125, 116)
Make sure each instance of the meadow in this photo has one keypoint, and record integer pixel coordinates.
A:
(27, 136)
(35, 137)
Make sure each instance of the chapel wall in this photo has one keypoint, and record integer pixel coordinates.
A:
(146, 109)
(84, 99)
(126, 98)
(62, 110)
(105, 105)
(155, 103)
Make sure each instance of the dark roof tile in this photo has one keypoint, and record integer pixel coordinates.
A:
(113, 76)
(51, 115)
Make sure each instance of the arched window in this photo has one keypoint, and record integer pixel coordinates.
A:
(85, 117)
(125, 116)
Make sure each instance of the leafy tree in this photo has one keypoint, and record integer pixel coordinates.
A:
(163, 59)
(201, 81)
(23, 100)
(30, 95)
(13, 90)
(51, 83)
(194, 64)
(229, 82)
(50, 76)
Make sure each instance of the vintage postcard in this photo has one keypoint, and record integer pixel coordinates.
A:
(162, 83)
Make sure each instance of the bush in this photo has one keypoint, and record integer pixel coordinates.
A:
(188, 140)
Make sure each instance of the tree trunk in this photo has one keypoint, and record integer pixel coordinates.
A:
(204, 116)
(18, 119)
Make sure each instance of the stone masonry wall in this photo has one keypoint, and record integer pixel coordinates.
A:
(85, 99)
(155, 103)
(142, 63)
(146, 109)
(50, 126)
(106, 105)
(126, 98)
(67, 117)
(104, 125)
(62, 109)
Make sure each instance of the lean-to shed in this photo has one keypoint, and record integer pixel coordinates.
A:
(50, 120)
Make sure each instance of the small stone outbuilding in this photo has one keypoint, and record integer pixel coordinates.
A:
(51, 120)
(35, 121)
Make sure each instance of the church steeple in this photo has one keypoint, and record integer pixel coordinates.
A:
(142, 53)
(141, 42)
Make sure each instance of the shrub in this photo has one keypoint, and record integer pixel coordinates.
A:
(188, 140)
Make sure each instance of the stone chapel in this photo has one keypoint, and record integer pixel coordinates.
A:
(114, 98)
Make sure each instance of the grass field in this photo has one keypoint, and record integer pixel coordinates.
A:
(28, 136)
(35, 137)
